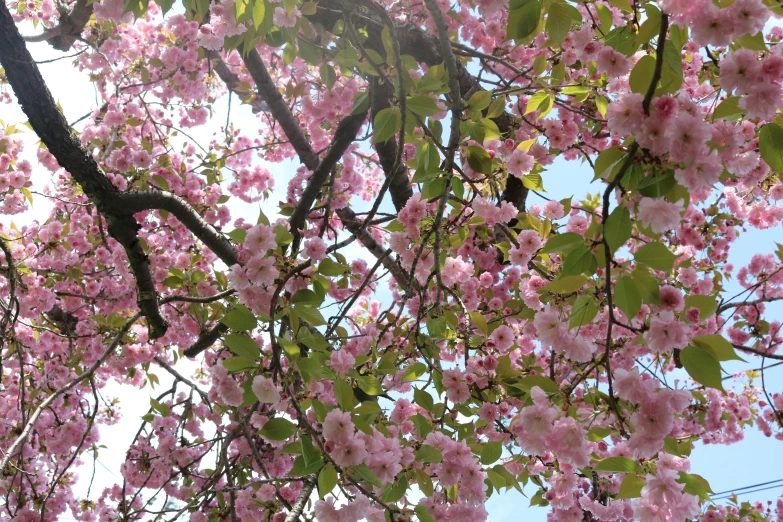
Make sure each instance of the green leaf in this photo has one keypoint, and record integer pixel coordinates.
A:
(618, 228)
(771, 146)
(642, 74)
(165, 5)
(583, 311)
(422, 425)
(361, 102)
(563, 242)
(309, 451)
(565, 285)
(623, 5)
(497, 108)
(434, 188)
(535, 101)
(650, 28)
(306, 295)
(523, 19)
(605, 18)
(282, 235)
(627, 298)
(369, 406)
(695, 485)
(367, 474)
(479, 159)
(330, 268)
(479, 321)
(657, 185)
(558, 23)
(289, 54)
(327, 480)
(278, 429)
(533, 181)
(720, 348)
(301, 469)
(242, 345)
(706, 304)
(242, 10)
(427, 453)
(491, 452)
(531, 381)
(423, 513)
(259, 13)
(631, 487)
(240, 319)
(580, 260)
(423, 399)
(344, 393)
(702, 366)
(656, 256)
(754, 42)
(414, 371)
(289, 347)
(396, 490)
(328, 76)
(480, 100)
(369, 385)
(422, 106)
(622, 40)
(236, 364)
(312, 339)
(137, 7)
(617, 465)
(647, 284)
(311, 315)
(386, 124)
(728, 109)
(606, 160)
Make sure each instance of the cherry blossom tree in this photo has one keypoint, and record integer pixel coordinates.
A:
(422, 327)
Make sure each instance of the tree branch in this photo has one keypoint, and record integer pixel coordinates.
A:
(50, 125)
(399, 182)
(301, 501)
(307, 155)
(425, 48)
(140, 201)
(277, 106)
(232, 81)
(118, 208)
(45, 404)
(345, 134)
(68, 30)
(758, 352)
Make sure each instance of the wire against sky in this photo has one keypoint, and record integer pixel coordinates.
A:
(743, 491)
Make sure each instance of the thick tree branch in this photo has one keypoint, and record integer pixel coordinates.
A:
(280, 111)
(206, 339)
(345, 134)
(118, 208)
(307, 155)
(425, 48)
(139, 201)
(68, 30)
(232, 82)
(399, 184)
(301, 501)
